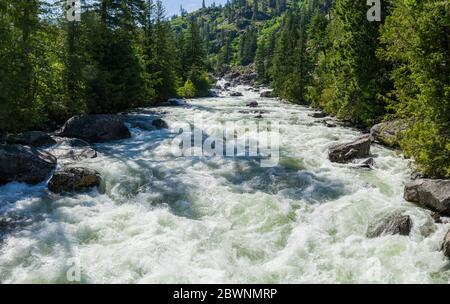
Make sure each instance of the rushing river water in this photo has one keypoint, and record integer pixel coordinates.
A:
(167, 219)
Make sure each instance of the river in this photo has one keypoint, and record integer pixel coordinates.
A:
(168, 219)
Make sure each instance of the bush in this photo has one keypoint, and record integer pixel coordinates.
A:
(187, 90)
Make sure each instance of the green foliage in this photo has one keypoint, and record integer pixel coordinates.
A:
(187, 90)
(416, 42)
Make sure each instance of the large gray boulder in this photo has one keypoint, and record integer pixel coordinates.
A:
(96, 128)
(388, 133)
(31, 138)
(391, 225)
(24, 164)
(347, 152)
(430, 193)
(74, 180)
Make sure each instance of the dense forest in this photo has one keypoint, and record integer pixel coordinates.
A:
(324, 53)
(121, 55)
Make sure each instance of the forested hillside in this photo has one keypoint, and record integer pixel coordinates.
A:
(327, 54)
(122, 54)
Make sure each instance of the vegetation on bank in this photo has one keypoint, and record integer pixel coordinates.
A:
(327, 54)
(123, 54)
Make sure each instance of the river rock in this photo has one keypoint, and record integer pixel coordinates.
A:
(368, 163)
(24, 164)
(236, 94)
(344, 153)
(391, 225)
(268, 94)
(430, 193)
(445, 248)
(160, 124)
(32, 138)
(387, 133)
(74, 180)
(96, 128)
(318, 115)
(252, 104)
(83, 154)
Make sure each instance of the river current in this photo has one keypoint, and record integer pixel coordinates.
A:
(161, 218)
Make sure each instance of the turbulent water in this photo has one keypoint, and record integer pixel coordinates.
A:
(167, 219)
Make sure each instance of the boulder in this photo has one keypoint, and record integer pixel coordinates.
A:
(368, 163)
(446, 245)
(177, 102)
(344, 153)
(74, 180)
(236, 94)
(429, 193)
(387, 133)
(160, 124)
(330, 124)
(252, 104)
(319, 115)
(96, 128)
(391, 225)
(24, 164)
(82, 154)
(268, 94)
(32, 138)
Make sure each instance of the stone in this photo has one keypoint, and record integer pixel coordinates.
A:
(318, 115)
(252, 104)
(74, 180)
(388, 133)
(160, 124)
(391, 225)
(433, 194)
(96, 128)
(446, 245)
(344, 153)
(268, 94)
(25, 164)
(31, 138)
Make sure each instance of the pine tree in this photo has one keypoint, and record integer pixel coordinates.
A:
(416, 41)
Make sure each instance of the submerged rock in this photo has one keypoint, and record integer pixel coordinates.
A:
(96, 128)
(387, 133)
(24, 164)
(430, 193)
(368, 163)
(236, 94)
(391, 225)
(344, 153)
(32, 138)
(74, 180)
(268, 94)
(446, 245)
(318, 115)
(253, 104)
(160, 124)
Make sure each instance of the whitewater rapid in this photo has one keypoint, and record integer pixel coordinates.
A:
(167, 219)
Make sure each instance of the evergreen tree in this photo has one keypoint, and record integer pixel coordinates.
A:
(416, 41)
